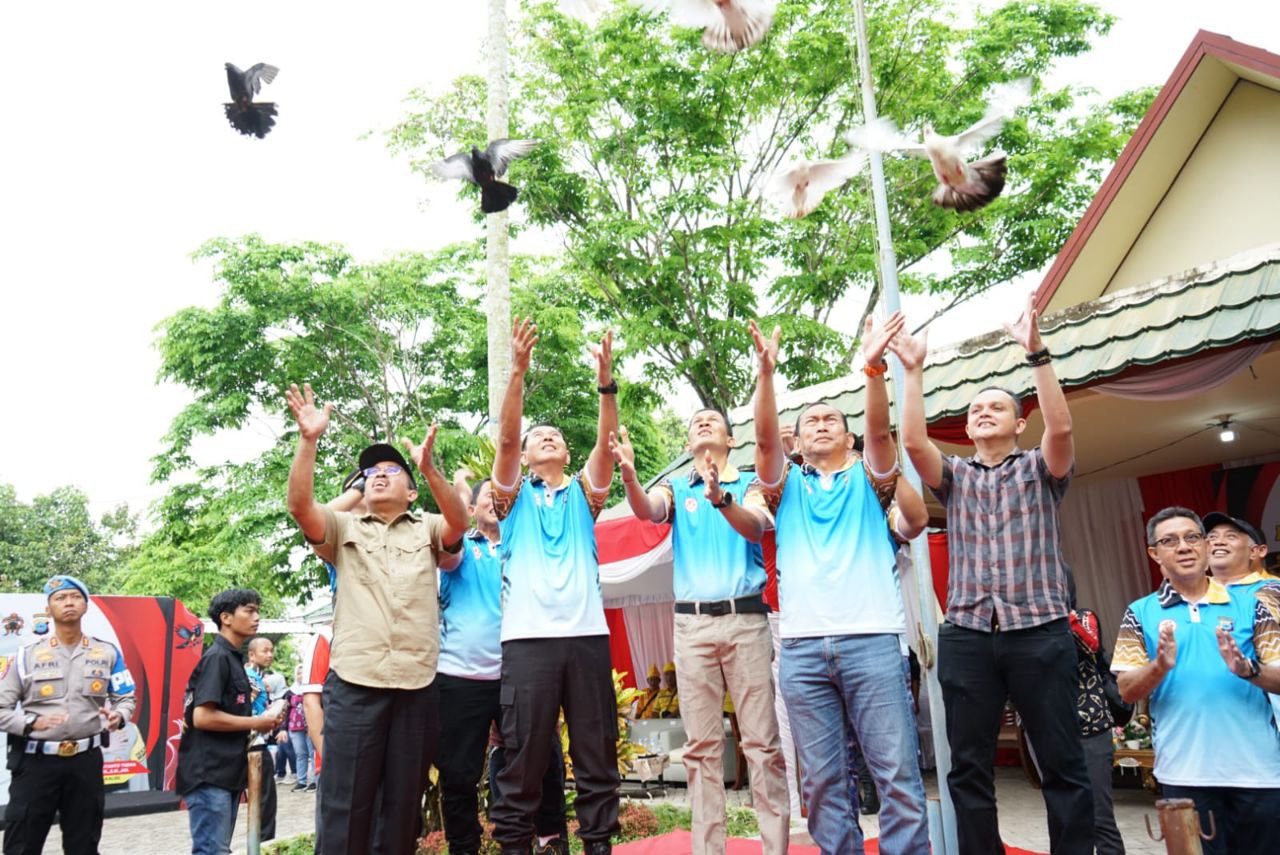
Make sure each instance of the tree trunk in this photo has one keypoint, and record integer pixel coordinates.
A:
(498, 304)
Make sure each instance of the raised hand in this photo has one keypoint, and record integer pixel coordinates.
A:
(623, 453)
(312, 421)
(711, 478)
(604, 359)
(421, 454)
(910, 350)
(1231, 654)
(1026, 329)
(876, 337)
(1167, 647)
(766, 348)
(523, 337)
(787, 433)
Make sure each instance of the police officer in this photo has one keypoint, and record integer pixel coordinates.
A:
(74, 689)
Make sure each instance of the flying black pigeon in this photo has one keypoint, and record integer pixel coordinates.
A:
(245, 115)
(484, 168)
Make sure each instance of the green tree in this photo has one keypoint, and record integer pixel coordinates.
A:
(56, 533)
(656, 152)
(394, 346)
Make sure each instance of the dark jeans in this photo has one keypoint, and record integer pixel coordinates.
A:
(467, 709)
(539, 676)
(1246, 821)
(1099, 753)
(45, 784)
(284, 756)
(375, 738)
(1036, 669)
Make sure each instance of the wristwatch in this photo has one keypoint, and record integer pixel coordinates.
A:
(1255, 668)
(725, 501)
(611, 389)
(31, 720)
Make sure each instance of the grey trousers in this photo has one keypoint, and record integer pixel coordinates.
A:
(1098, 754)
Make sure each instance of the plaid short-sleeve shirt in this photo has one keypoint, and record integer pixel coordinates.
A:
(1003, 541)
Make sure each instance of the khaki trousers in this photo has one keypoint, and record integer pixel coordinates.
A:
(713, 653)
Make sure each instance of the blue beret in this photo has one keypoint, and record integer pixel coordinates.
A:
(61, 583)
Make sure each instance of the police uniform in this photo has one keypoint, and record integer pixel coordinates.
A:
(59, 769)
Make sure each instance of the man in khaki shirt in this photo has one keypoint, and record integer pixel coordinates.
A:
(379, 698)
(74, 689)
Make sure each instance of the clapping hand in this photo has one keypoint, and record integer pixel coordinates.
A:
(1167, 647)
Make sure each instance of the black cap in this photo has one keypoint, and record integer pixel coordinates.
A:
(1218, 518)
(381, 452)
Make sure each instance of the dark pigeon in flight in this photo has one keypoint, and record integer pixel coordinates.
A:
(484, 168)
(249, 117)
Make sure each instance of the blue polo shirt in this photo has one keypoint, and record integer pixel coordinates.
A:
(471, 612)
(712, 561)
(1210, 728)
(550, 571)
(1267, 589)
(837, 570)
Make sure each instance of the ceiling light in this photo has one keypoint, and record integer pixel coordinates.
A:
(1225, 432)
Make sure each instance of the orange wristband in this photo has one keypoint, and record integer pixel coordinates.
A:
(875, 370)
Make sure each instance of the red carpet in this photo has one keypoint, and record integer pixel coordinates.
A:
(678, 843)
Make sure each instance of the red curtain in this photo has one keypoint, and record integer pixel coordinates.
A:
(619, 647)
(1189, 488)
(951, 429)
(938, 562)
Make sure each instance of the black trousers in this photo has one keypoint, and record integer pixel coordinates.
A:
(467, 710)
(375, 738)
(1247, 821)
(47, 784)
(268, 799)
(1036, 669)
(540, 676)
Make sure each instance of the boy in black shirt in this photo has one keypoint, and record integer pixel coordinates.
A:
(212, 759)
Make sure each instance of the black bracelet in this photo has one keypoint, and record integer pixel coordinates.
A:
(611, 389)
(1039, 357)
(725, 501)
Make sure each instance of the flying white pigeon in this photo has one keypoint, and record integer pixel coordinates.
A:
(963, 186)
(588, 11)
(798, 187)
(727, 26)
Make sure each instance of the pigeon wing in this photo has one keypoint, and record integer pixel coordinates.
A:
(500, 153)
(698, 14)
(827, 175)
(883, 135)
(259, 74)
(1003, 101)
(456, 167)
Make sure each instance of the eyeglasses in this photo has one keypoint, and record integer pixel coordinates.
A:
(1171, 541)
(390, 469)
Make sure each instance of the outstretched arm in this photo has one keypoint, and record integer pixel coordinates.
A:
(878, 446)
(506, 459)
(600, 461)
(312, 422)
(650, 506)
(925, 456)
(1057, 444)
(456, 519)
(770, 458)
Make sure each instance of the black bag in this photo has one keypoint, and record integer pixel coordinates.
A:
(1121, 710)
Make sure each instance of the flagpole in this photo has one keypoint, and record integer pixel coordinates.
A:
(942, 828)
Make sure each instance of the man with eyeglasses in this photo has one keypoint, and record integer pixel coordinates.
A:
(379, 697)
(1006, 634)
(1207, 660)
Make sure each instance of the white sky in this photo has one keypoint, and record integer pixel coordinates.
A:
(118, 163)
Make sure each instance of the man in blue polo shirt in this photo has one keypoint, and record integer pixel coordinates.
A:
(1206, 659)
(842, 611)
(721, 629)
(555, 641)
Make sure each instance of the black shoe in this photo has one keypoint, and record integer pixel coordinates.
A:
(298, 788)
(311, 788)
(556, 846)
(868, 798)
(598, 847)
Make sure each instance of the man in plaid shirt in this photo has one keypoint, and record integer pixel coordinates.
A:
(1006, 633)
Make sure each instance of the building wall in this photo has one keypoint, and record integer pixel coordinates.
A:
(1226, 198)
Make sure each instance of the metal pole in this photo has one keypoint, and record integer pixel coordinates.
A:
(498, 303)
(920, 546)
(253, 835)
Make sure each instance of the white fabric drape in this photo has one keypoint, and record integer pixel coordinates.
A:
(1103, 538)
(651, 634)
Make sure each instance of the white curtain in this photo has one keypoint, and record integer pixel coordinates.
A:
(651, 634)
(1104, 541)
(1186, 379)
